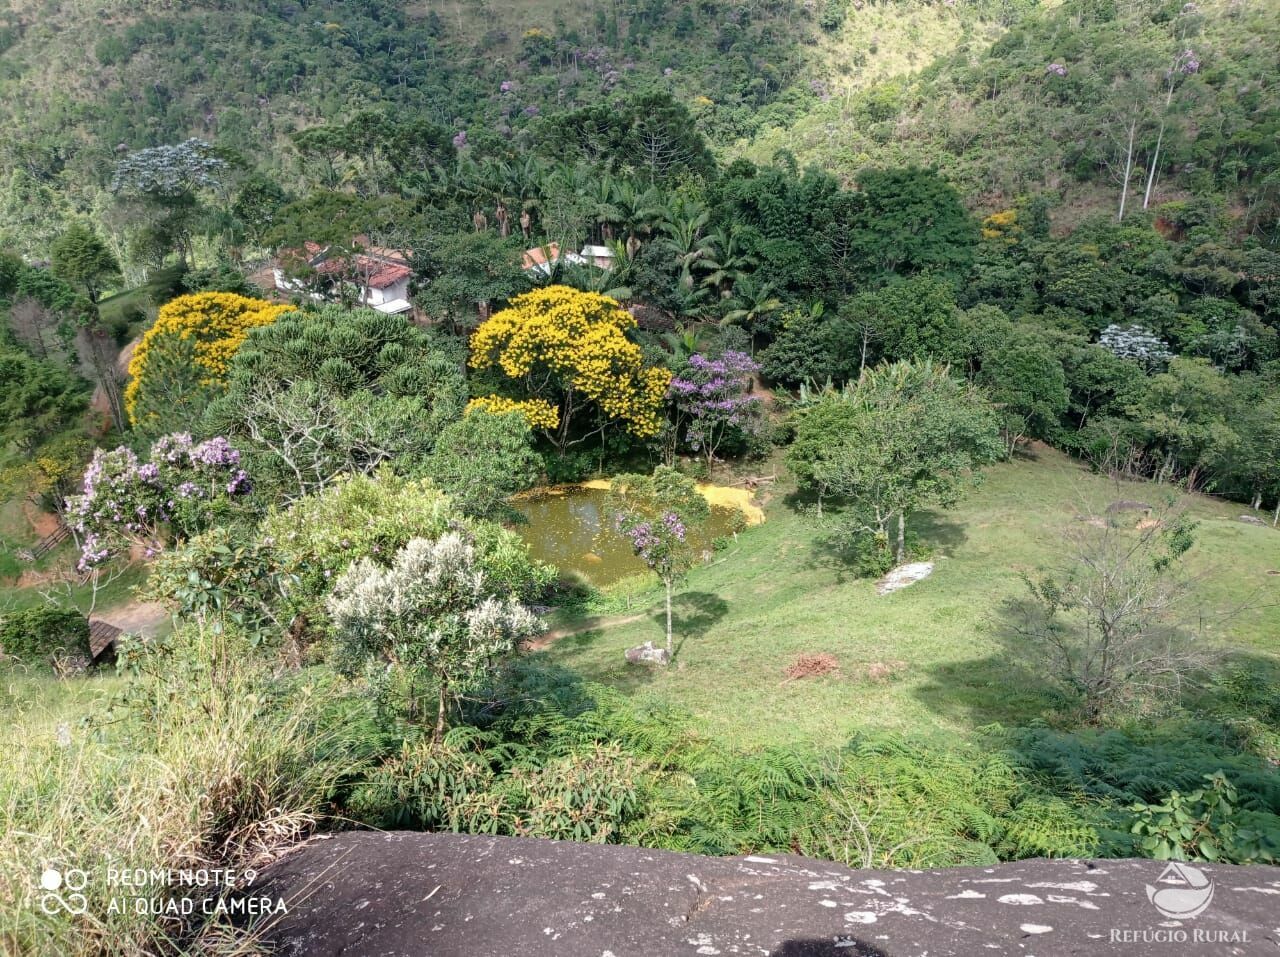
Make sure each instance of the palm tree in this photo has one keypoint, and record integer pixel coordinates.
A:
(683, 236)
(614, 282)
(685, 340)
(640, 210)
(727, 262)
(750, 303)
(604, 212)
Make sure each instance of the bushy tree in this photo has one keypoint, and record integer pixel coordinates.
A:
(464, 273)
(37, 399)
(904, 437)
(713, 401)
(334, 391)
(653, 513)
(913, 319)
(1027, 384)
(185, 357)
(909, 221)
(816, 347)
(167, 181)
(1184, 413)
(651, 132)
(374, 516)
(433, 614)
(82, 259)
(569, 351)
(182, 488)
(482, 459)
(43, 634)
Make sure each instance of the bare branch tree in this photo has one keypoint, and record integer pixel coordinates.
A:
(1115, 620)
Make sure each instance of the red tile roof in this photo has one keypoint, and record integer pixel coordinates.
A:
(537, 256)
(381, 271)
(384, 274)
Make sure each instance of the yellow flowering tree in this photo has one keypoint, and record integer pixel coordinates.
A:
(183, 359)
(567, 352)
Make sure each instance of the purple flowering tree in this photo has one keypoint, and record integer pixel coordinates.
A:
(177, 491)
(712, 400)
(653, 513)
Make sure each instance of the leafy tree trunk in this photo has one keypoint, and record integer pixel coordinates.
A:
(667, 582)
(902, 537)
(438, 735)
(1128, 170)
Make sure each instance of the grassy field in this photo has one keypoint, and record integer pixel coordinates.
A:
(934, 659)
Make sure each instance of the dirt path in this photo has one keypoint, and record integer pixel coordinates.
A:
(42, 523)
(549, 638)
(137, 618)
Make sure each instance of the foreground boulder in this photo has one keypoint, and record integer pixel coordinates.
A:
(362, 894)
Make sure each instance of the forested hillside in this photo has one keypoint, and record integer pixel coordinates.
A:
(733, 426)
(1180, 96)
(1008, 98)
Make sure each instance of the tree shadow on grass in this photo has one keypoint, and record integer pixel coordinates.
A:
(1011, 686)
(928, 531)
(693, 614)
(581, 652)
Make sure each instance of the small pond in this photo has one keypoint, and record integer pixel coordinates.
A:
(566, 528)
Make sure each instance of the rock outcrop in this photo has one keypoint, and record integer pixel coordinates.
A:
(362, 894)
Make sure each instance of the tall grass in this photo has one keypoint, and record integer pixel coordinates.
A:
(201, 767)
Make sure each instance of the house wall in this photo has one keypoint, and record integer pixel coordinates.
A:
(376, 297)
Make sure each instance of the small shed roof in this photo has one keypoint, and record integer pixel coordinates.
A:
(102, 637)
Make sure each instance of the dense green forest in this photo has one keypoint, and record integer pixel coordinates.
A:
(294, 327)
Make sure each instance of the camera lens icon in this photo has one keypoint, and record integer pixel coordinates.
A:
(53, 881)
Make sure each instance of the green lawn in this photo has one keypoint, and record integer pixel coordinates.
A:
(777, 593)
(144, 297)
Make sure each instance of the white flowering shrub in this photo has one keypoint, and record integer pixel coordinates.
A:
(1137, 343)
(434, 615)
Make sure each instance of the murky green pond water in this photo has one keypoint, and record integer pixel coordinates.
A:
(566, 528)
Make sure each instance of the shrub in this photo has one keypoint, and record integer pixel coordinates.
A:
(182, 489)
(187, 352)
(208, 759)
(44, 633)
(465, 784)
(1205, 825)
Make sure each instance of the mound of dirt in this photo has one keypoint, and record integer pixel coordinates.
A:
(809, 665)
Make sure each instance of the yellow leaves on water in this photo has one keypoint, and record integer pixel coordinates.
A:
(717, 496)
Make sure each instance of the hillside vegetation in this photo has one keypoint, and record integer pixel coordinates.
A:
(966, 86)
(299, 297)
(938, 659)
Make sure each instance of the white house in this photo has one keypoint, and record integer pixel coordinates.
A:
(381, 276)
(543, 259)
(599, 256)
